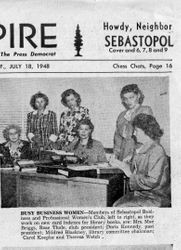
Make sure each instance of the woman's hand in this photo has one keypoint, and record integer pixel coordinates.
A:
(61, 137)
(72, 159)
(36, 139)
(127, 159)
(115, 162)
(121, 165)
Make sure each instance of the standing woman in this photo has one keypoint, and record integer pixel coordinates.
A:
(132, 99)
(70, 118)
(41, 123)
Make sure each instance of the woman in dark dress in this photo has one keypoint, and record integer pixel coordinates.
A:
(14, 148)
(42, 128)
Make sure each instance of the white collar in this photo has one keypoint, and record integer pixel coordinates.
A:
(8, 144)
(129, 112)
(45, 112)
(139, 149)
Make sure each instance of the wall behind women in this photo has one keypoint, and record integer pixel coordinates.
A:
(100, 95)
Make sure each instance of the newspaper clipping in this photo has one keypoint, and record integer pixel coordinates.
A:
(90, 125)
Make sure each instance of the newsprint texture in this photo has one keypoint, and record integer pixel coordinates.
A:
(90, 125)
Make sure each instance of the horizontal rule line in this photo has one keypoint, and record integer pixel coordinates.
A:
(86, 60)
(82, 72)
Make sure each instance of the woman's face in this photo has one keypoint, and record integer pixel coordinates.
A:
(71, 101)
(40, 103)
(130, 99)
(140, 135)
(84, 131)
(13, 135)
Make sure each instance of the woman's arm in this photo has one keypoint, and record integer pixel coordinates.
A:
(6, 158)
(29, 131)
(26, 151)
(117, 141)
(101, 155)
(61, 125)
(156, 163)
(54, 128)
(148, 110)
(122, 165)
(61, 133)
(70, 147)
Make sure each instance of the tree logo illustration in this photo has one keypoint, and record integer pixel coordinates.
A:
(78, 42)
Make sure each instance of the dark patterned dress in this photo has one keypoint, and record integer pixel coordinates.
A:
(42, 126)
(68, 124)
(11, 155)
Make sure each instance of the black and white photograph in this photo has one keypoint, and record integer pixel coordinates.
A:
(85, 142)
(90, 120)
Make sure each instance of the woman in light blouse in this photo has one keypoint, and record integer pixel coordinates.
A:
(148, 169)
(132, 99)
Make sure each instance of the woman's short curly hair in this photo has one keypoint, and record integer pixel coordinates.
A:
(11, 126)
(132, 88)
(149, 125)
(67, 93)
(88, 122)
(38, 95)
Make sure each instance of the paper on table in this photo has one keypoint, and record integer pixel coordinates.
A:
(121, 165)
(62, 172)
(25, 162)
(60, 152)
(103, 165)
(32, 170)
(82, 167)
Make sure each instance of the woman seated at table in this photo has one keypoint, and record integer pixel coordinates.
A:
(148, 169)
(14, 148)
(90, 151)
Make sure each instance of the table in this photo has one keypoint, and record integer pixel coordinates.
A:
(9, 187)
(31, 189)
